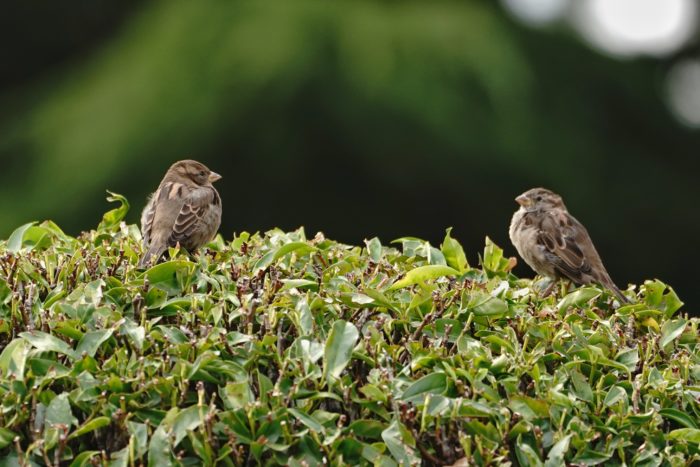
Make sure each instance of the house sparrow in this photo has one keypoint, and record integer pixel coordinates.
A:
(554, 243)
(184, 210)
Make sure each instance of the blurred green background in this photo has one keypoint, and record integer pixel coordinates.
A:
(363, 118)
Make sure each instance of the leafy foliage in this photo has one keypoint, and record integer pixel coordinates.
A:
(274, 348)
(412, 101)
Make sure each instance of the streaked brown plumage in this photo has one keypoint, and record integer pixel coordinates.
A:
(554, 243)
(184, 210)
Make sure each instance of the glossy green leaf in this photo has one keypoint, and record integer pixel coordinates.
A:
(454, 253)
(482, 304)
(47, 343)
(371, 429)
(298, 283)
(581, 387)
(84, 458)
(92, 340)
(304, 317)
(629, 358)
(14, 242)
(615, 395)
(92, 425)
(166, 275)
(526, 455)
(557, 454)
(423, 274)
(590, 457)
(338, 350)
(238, 394)
(689, 435)
(59, 412)
(374, 248)
(578, 297)
(187, 420)
(299, 248)
(670, 331)
(660, 296)
(434, 383)
(115, 216)
(310, 422)
(135, 333)
(404, 453)
(493, 261)
(139, 437)
(159, 449)
(13, 358)
(679, 417)
(528, 407)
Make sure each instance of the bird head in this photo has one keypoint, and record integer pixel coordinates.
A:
(538, 199)
(194, 172)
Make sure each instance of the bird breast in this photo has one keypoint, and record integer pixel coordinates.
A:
(524, 234)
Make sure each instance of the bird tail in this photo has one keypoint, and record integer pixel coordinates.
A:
(153, 251)
(618, 293)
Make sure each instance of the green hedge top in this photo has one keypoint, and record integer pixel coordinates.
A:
(277, 349)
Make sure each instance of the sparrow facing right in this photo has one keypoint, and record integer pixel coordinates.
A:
(184, 210)
(554, 244)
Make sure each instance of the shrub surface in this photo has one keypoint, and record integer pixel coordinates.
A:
(278, 349)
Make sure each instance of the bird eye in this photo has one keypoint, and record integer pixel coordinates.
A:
(539, 198)
(201, 173)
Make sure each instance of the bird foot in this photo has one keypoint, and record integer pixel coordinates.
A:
(549, 290)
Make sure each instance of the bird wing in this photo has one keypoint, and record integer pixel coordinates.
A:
(158, 217)
(147, 216)
(195, 206)
(569, 248)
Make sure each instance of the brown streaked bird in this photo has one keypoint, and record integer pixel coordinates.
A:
(554, 243)
(184, 210)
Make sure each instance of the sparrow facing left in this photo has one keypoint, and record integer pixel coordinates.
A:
(554, 243)
(184, 210)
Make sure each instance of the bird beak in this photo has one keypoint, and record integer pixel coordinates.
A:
(213, 176)
(523, 200)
